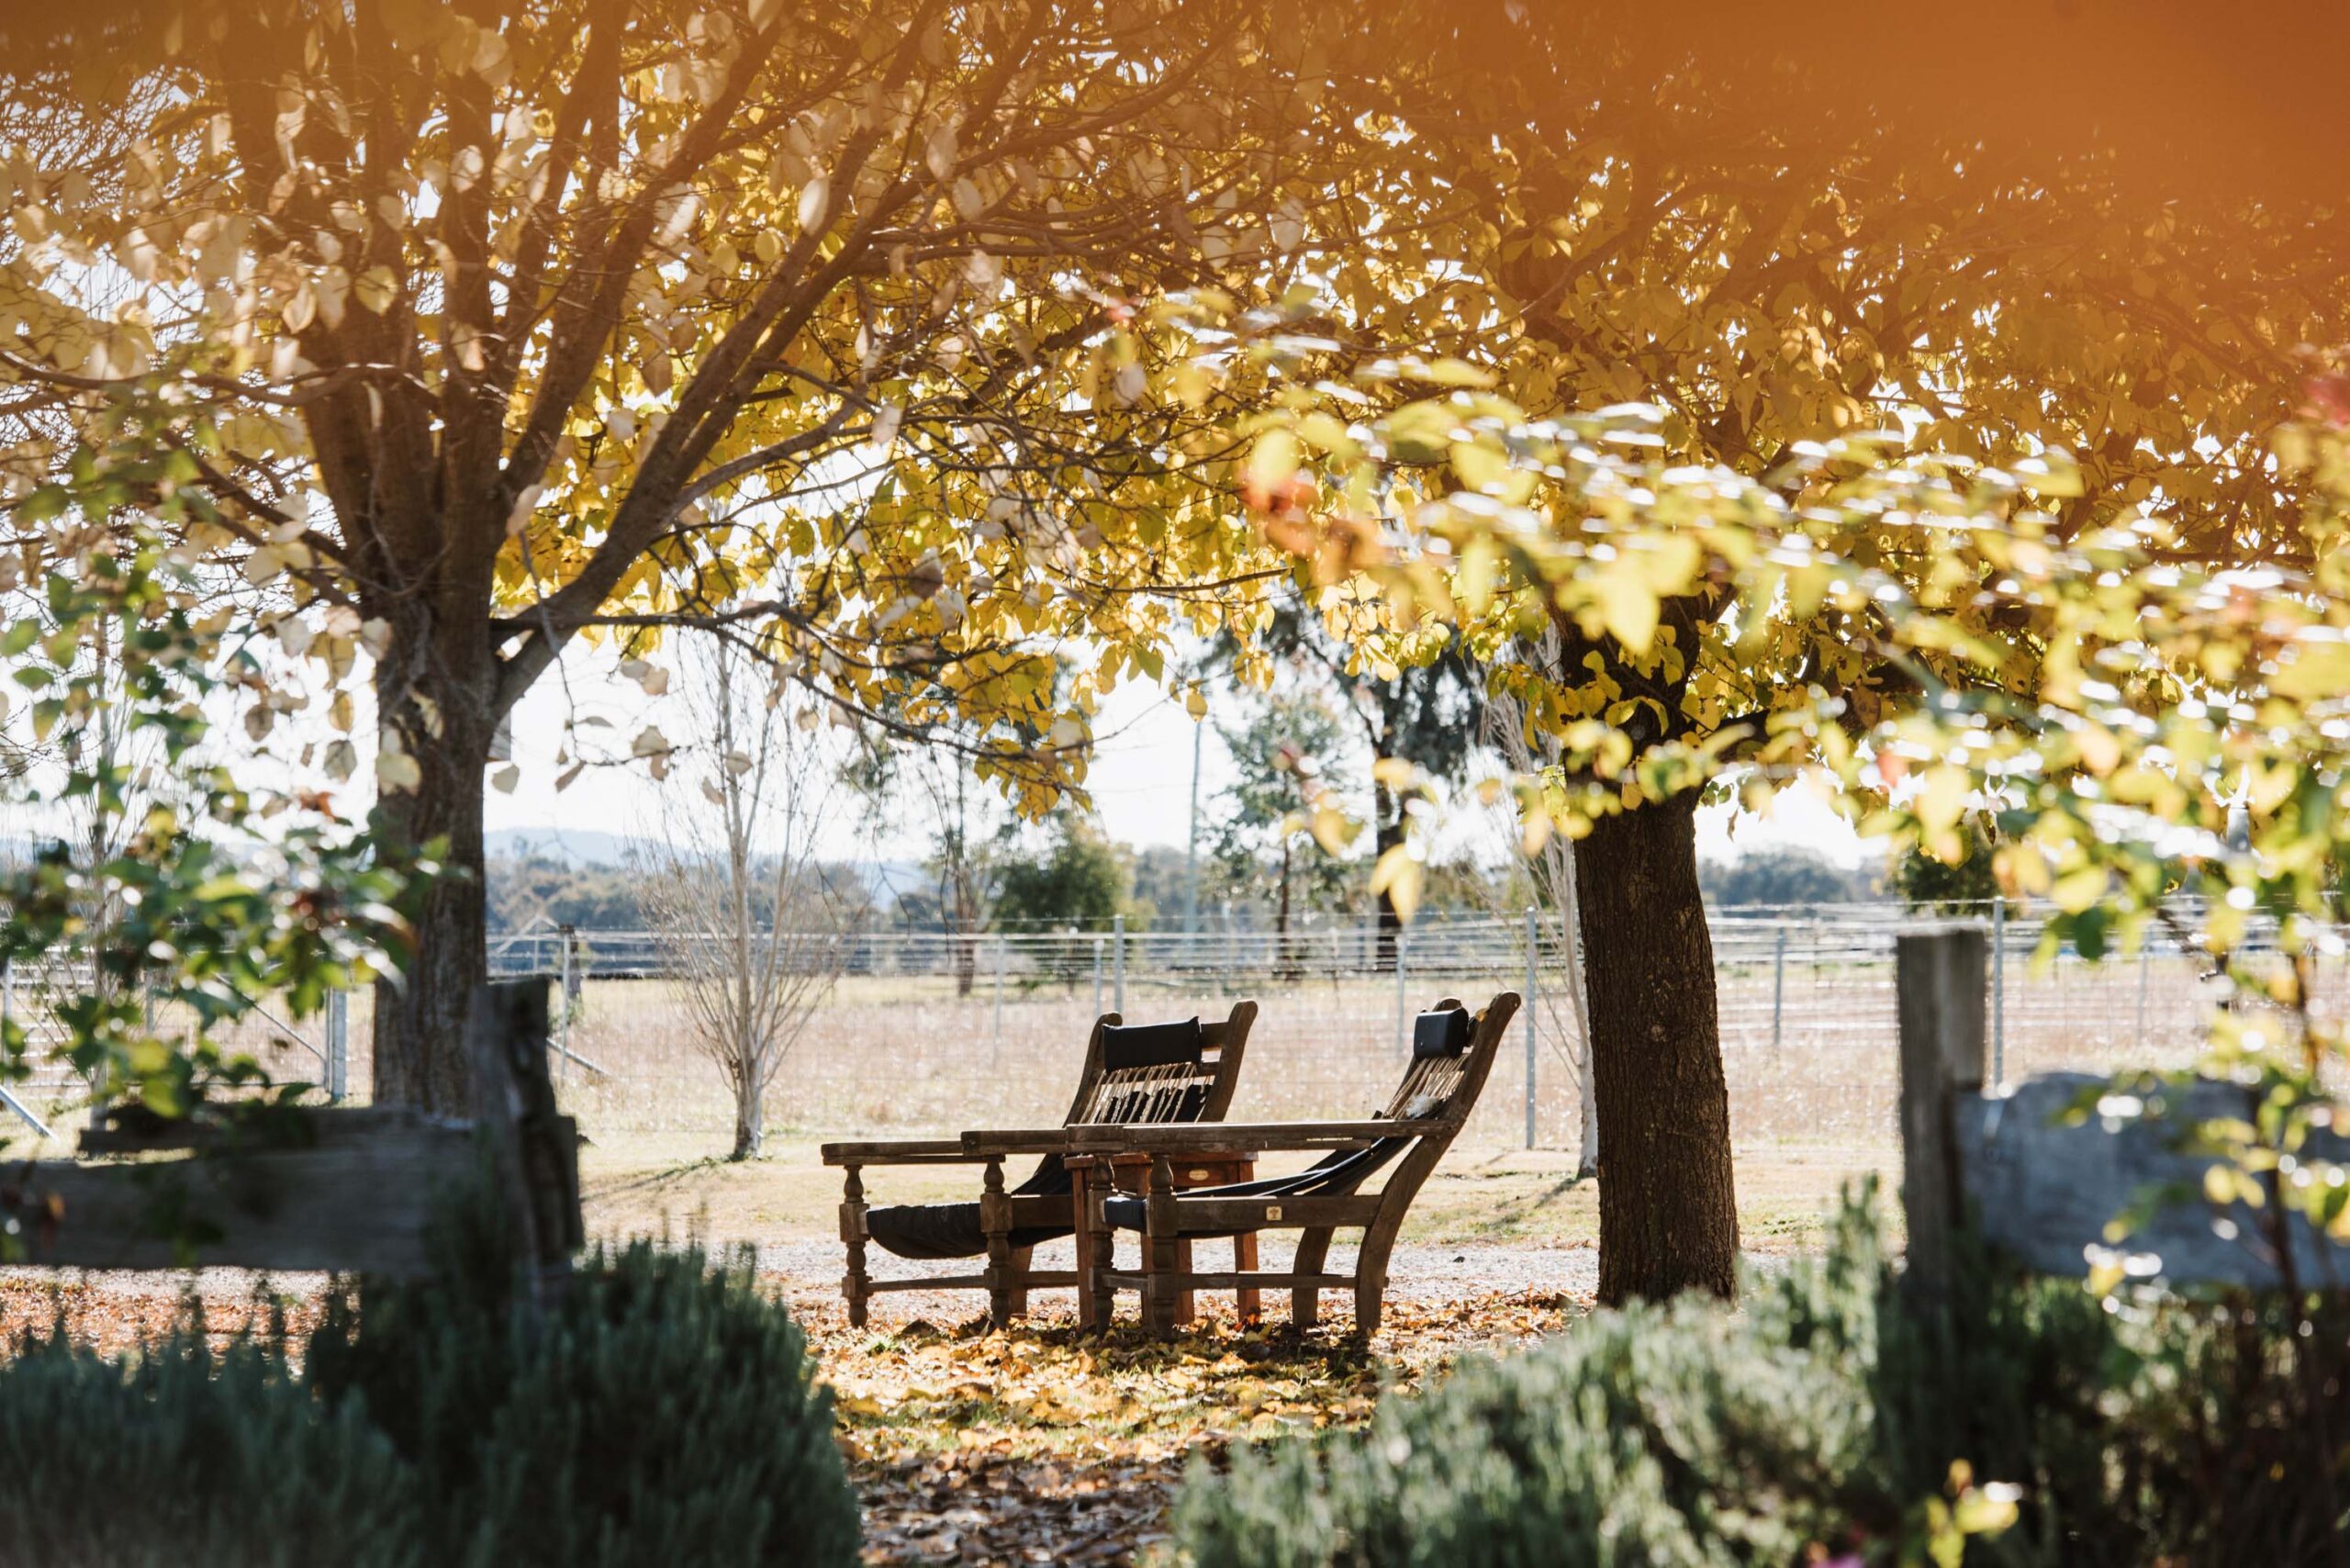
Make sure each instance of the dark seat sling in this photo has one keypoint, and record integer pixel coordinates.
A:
(1151, 1072)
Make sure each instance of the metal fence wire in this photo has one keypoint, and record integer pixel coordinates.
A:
(929, 1032)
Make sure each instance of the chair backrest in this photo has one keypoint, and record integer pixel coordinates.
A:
(1182, 1071)
(1452, 1052)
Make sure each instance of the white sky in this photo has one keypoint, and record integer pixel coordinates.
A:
(1141, 776)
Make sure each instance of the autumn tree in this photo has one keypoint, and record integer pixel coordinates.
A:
(1772, 248)
(494, 328)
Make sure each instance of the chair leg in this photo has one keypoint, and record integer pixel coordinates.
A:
(1251, 1300)
(1370, 1279)
(1102, 1256)
(1081, 1240)
(1161, 1248)
(1187, 1305)
(856, 1285)
(1306, 1301)
(1020, 1259)
(995, 1219)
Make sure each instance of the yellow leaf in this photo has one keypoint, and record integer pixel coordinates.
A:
(1272, 462)
(1398, 875)
(1627, 607)
(2076, 891)
(2316, 671)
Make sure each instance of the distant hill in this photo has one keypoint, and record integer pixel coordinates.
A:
(598, 895)
(569, 845)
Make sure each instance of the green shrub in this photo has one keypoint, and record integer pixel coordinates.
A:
(1825, 1415)
(663, 1412)
(182, 1455)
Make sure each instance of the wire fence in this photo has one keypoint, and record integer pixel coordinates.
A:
(926, 1032)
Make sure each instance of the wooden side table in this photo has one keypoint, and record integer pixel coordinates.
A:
(1129, 1174)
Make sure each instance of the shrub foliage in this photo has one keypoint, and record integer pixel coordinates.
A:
(2026, 1422)
(665, 1412)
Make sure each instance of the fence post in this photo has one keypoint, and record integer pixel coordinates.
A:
(338, 1045)
(1937, 981)
(1533, 939)
(1999, 991)
(1118, 941)
(569, 937)
(2143, 957)
(1097, 977)
(1779, 983)
(997, 1039)
(1402, 1005)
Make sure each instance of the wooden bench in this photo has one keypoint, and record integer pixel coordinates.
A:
(1152, 1073)
(1452, 1054)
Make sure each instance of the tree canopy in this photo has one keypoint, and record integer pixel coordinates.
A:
(492, 328)
(1733, 434)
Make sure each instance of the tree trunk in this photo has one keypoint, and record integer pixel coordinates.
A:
(750, 1115)
(439, 693)
(1388, 834)
(962, 927)
(1285, 961)
(1668, 1212)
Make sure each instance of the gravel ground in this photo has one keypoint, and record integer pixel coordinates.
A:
(810, 1274)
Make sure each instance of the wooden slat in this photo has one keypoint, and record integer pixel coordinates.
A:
(936, 1283)
(354, 1206)
(1024, 1140)
(1184, 1138)
(902, 1152)
(2044, 1193)
(1206, 1215)
(1182, 1279)
(283, 1127)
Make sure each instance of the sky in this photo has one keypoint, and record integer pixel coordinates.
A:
(1140, 778)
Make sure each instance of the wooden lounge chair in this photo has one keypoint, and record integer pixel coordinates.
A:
(1452, 1051)
(1151, 1074)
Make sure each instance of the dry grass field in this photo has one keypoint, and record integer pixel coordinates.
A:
(1812, 1099)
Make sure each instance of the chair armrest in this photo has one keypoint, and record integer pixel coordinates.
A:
(902, 1151)
(1232, 1136)
(987, 1143)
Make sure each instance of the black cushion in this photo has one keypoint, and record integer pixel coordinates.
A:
(1444, 1034)
(1126, 1046)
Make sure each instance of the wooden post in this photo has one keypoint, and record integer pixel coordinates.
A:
(856, 1285)
(1093, 1187)
(1160, 1249)
(995, 1220)
(1938, 978)
(532, 1148)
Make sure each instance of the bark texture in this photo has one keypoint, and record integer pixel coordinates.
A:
(1668, 1211)
(438, 692)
